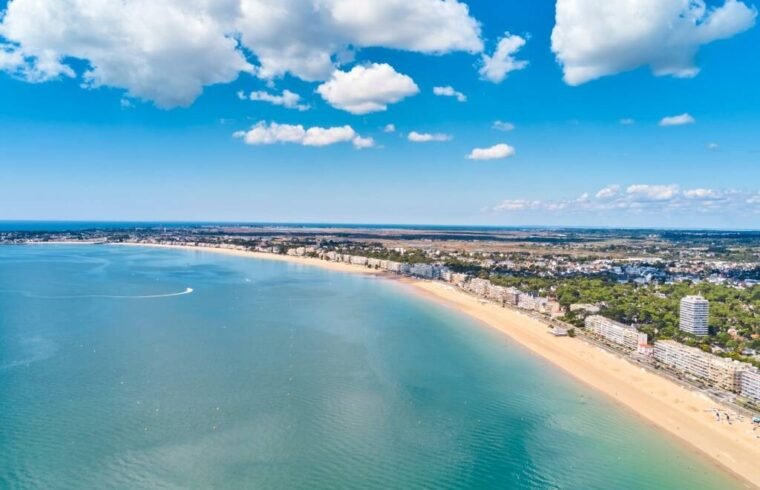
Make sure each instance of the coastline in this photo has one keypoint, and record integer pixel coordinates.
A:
(668, 406)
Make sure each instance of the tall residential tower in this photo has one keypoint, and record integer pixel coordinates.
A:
(694, 313)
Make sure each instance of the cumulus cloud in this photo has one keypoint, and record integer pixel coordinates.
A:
(362, 143)
(416, 137)
(503, 126)
(702, 193)
(389, 128)
(627, 121)
(497, 66)
(321, 31)
(449, 91)
(264, 133)
(713, 146)
(168, 51)
(645, 192)
(679, 120)
(288, 99)
(608, 192)
(643, 198)
(161, 51)
(592, 39)
(367, 89)
(495, 152)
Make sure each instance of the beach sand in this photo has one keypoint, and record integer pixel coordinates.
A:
(681, 412)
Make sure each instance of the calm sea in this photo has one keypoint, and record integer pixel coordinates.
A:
(272, 375)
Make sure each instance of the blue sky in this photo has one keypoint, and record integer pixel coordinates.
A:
(131, 141)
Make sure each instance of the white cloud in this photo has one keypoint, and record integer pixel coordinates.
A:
(317, 136)
(449, 91)
(126, 103)
(713, 146)
(161, 51)
(503, 126)
(593, 38)
(517, 205)
(642, 198)
(367, 89)
(679, 120)
(416, 137)
(389, 128)
(627, 121)
(288, 99)
(608, 192)
(645, 192)
(272, 133)
(305, 37)
(702, 193)
(362, 143)
(496, 67)
(168, 51)
(495, 152)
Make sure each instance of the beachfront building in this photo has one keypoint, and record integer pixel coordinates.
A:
(695, 311)
(478, 287)
(374, 263)
(712, 370)
(512, 296)
(426, 271)
(359, 260)
(397, 267)
(615, 332)
(459, 278)
(527, 302)
(750, 384)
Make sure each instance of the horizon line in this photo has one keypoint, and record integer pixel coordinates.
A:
(375, 225)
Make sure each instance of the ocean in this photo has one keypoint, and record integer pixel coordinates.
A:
(127, 367)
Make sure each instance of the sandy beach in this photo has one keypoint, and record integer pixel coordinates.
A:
(681, 412)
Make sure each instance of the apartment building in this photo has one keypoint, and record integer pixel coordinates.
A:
(695, 311)
(750, 384)
(615, 332)
(712, 370)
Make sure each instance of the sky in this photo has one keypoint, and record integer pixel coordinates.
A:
(626, 113)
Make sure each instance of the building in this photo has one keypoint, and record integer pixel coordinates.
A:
(750, 384)
(426, 271)
(585, 308)
(615, 332)
(712, 370)
(478, 287)
(359, 260)
(558, 331)
(527, 302)
(695, 311)
(513, 296)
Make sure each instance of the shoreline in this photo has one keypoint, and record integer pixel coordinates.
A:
(679, 411)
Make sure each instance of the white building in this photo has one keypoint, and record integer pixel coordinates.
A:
(426, 271)
(477, 286)
(615, 332)
(695, 311)
(358, 260)
(750, 384)
(712, 370)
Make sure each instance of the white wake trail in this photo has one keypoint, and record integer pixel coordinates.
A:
(101, 296)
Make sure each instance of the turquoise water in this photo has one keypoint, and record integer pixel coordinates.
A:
(272, 375)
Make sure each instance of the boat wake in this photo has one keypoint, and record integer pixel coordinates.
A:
(28, 294)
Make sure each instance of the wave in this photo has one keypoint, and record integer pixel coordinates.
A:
(28, 294)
